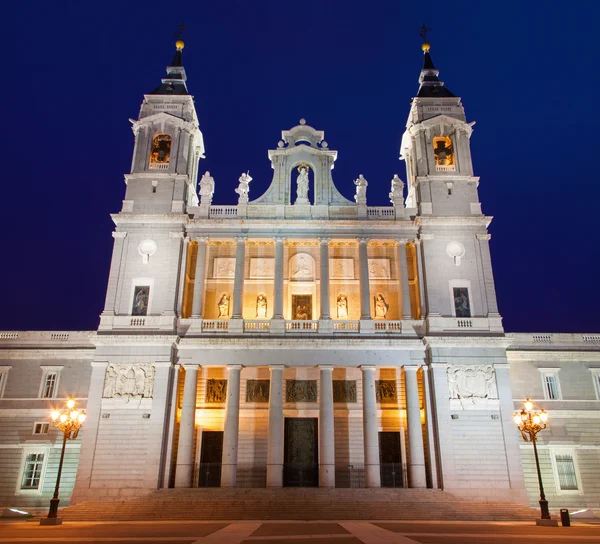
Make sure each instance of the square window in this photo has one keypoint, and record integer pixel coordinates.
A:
(462, 304)
(32, 471)
(141, 296)
(551, 386)
(567, 474)
(41, 428)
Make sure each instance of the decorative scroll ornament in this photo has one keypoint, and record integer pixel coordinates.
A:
(207, 189)
(472, 382)
(129, 382)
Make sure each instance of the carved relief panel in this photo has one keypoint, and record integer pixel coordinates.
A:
(385, 391)
(344, 390)
(257, 391)
(472, 382)
(262, 267)
(380, 269)
(302, 267)
(129, 382)
(341, 269)
(216, 390)
(301, 391)
(224, 268)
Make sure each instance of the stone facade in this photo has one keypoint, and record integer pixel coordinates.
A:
(294, 341)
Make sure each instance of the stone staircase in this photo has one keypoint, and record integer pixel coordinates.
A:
(298, 504)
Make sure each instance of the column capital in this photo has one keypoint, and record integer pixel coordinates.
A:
(119, 234)
(234, 367)
(177, 235)
(324, 241)
(486, 236)
(411, 367)
(189, 366)
(363, 240)
(326, 367)
(276, 367)
(368, 368)
(279, 239)
(241, 239)
(427, 236)
(201, 239)
(402, 241)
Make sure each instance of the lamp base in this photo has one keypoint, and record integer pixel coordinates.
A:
(50, 521)
(547, 522)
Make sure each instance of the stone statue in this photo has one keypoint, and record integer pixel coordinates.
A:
(472, 382)
(224, 305)
(342, 307)
(261, 306)
(243, 188)
(207, 189)
(361, 190)
(302, 187)
(381, 307)
(397, 194)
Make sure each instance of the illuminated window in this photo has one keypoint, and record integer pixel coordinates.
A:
(443, 152)
(161, 151)
(32, 471)
(550, 383)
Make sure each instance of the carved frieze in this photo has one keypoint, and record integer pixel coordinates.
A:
(224, 267)
(385, 391)
(300, 391)
(129, 382)
(472, 382)
(257, 391)
(216, 390)
(340, 268)
(379, 269)
(262, 267)
(344, 390)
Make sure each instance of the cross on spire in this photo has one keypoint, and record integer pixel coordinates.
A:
(423, 31)
(181, 27)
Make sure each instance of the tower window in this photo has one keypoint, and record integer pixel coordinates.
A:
(141, 296)
(462, 304)
(161, 151)
(443, 152)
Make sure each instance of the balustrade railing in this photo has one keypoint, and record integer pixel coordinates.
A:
(445, 167)
(223, 211)
(256, 325)
(388, 326)
(302, 325)
(346, 326)
(212, 325)
(381, 212)
(159, 166)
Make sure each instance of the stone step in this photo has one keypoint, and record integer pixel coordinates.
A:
(296, 504)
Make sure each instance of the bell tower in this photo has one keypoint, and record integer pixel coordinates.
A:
(453, 243)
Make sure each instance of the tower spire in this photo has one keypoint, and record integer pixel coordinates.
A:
(174, 83)
(430, 85)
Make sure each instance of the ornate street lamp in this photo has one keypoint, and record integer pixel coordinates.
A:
(68, 421)
(530, 423)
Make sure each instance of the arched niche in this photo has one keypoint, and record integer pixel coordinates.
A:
(298, 196)
(301, 267)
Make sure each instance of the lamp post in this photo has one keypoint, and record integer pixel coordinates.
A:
(68, 421)
(530, 423)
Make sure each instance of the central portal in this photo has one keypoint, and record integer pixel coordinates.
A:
(301, 452)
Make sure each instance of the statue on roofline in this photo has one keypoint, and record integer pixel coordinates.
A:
(207, 188)
(397, 193)
(244, 188)
(361, 190)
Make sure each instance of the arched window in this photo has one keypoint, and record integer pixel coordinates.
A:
(161, 151)
(443, 151)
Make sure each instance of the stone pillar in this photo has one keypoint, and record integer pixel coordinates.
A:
(238, 282)
(278, 287)
(486, 270)
(185, 446)
(406, 313)
(115, 272)
(421, 279)
(365, 293)
(429, 414)
(232, 423)
(199, 278)
(325, 308)
(370, 431)
(275, 438)
(326, 425)
(416, 468)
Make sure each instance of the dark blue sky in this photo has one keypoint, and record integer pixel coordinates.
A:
(74, 72)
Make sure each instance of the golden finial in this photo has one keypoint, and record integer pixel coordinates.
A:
(423, 33)
(179, 44)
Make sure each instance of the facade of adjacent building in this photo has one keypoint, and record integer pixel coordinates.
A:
(299, 338)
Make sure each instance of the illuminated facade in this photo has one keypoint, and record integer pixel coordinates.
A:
(299, 338)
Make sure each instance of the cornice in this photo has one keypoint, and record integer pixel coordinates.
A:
(47, 353)
(129, 339)
(464, 220)
(123, 219)
(467, 341)
(518, 355)
(188, 126)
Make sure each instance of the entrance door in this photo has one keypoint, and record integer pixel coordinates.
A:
(211, 455)
(390, 460)
(301, 452)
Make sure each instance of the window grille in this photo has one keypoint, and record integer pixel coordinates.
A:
(32, 471)
(551, 384)
(49, 385)
(567, 478)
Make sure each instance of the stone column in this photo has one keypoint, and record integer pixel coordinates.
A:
(185, 446)
(232, 423)
(370, 431)
(405, 289)
(199, 277)
(326, 425)
(238, 282)
(365, 293)
(325, 308)
(486, 269)
(115, 272)
(416, 468)
(421, 279)
(278, 287)
(275, 438)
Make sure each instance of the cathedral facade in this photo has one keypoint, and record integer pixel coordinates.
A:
(299, 338)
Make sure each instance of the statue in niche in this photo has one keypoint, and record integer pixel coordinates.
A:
(261, 306)
(207, 188)
(129, 382)
(361, 190)
(244, 188)
(342, 306)
(385, 391)
(257, 391)
(216, 390)
(302, 185)
(301, 391)
(223, 305)
(397, 193)
(443, 151)
(472, 382)
(381, 307)
(344, 390)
